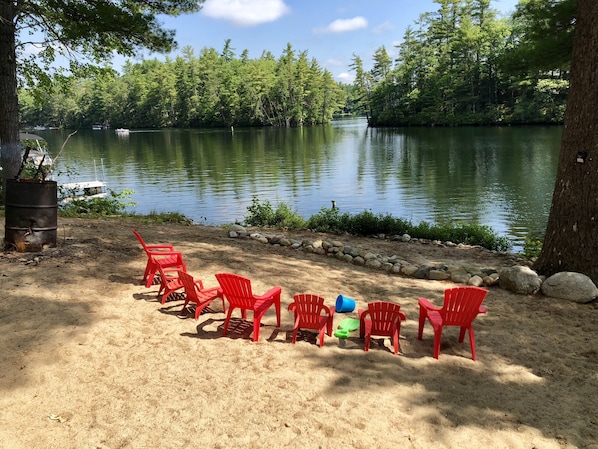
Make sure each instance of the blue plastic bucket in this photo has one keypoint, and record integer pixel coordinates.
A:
(344, 304)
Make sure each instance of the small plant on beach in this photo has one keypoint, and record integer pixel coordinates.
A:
(532, 247)
(263, 214)
(329, 220)
(114, 204)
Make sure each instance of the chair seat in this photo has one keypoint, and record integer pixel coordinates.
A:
(237, 290)
(194, 292)
(310, 313)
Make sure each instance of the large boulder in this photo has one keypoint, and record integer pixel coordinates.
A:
(569, 285)
(519, 279)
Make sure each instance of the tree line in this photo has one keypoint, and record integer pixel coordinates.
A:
(459, 65)
(464, 65)
(209, 90)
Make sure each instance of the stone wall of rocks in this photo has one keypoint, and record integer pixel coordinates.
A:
(518, 278)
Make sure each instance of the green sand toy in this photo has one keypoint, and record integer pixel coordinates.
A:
(346, 326)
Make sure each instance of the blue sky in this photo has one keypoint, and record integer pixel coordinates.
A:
(331, 31)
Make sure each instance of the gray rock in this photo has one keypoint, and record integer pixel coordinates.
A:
(475, 281)
(233, 234)
(373, 263)
(438, 275)
(405, 237)
(409, 270)
(238, 228)
(520, 279)
(490, 280)
(359, 261)
(460, 277)
(572, 286)
(387, 266)
(421, 273)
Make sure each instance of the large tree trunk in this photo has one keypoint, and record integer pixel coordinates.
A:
(9, 103)
(571, 241)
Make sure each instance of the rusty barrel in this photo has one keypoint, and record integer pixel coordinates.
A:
(31, 215)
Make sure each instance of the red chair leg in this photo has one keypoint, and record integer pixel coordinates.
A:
(366, 345)
(256, 328)
(227, 321)
(472, 343)
(437, 338)
(422, 321)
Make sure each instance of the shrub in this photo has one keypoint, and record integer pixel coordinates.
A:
(262, 214)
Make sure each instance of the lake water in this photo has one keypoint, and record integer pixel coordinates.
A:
(498, 176)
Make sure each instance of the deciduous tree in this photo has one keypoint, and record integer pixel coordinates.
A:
(94, 29)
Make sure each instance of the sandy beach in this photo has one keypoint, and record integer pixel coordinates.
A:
(91, 359)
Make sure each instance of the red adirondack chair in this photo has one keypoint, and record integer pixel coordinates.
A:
(383, 319)
(237, 291)
(461, 306)
(311, 313)
(195, 292)
(163, 255)
(170, 280)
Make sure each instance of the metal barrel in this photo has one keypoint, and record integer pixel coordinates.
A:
(31, 215)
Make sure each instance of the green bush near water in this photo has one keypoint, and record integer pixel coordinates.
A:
(263, 214)
(367, 223)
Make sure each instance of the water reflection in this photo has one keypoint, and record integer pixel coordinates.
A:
(502, 177)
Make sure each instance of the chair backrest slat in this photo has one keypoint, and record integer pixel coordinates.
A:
(237, 290)
(384, 316)
(308, 307)
(461, 305)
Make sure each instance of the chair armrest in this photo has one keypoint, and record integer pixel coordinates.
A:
(269, 294)
(482, 309)
(402, 316)
(160, 247)
(423, 302)
(328, 310)
(292, 307)
(165, 253)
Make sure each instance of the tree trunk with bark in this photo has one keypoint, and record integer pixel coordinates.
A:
(571, 240)
(9, 104)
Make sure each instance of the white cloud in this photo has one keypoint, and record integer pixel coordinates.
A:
(344, 25)
(346, 78)
(245, 12)
(383, 28)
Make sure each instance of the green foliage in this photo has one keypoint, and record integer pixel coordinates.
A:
(209, 90)
(463, 65)
(114, 204)
(329, 220)
(263, 214)
(367, 223)
(532, 247)
(163, 218)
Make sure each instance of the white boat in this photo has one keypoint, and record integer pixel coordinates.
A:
(97, 127)
(84, 190)
(121, 131)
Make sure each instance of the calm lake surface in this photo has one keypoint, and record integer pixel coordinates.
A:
(498, 176)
